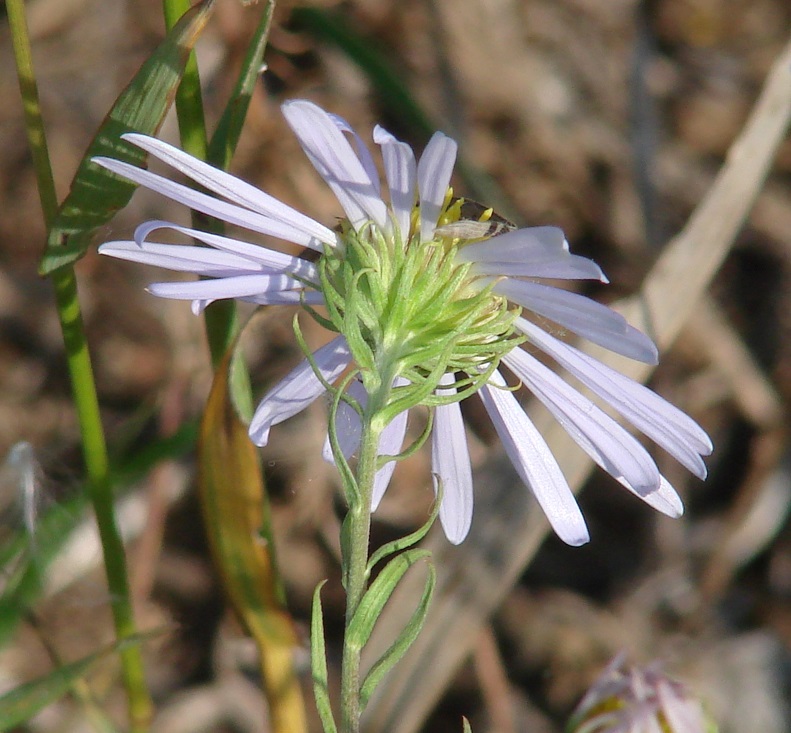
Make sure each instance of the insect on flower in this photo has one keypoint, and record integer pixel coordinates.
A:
(476, 222)
(429, 295)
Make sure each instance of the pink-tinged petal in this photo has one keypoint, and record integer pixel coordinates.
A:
(401, 174)
(230, 187)
(239, 286)
(682, 713)
(606, 442)
(583, 316)
(533, 461)
(390, 444)
(654, 416)
(362, 151)
(433, 178)
(561, 267)
(181, 258)
(256, 255)
(336, 162)
(298, 389)
(211, 206)
(450, 463)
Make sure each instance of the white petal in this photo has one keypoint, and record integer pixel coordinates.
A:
(390, 444)
(450, 462)
(606, 442)
(560, 267)
(518, 245)
(198, 201)
(654, 416)
(347, 425)
(682, 714)
(534, 462)
(336, 162)
(530, 252)
(665, 499)
(238, 286)
(298, 389)
(433, 178)
(582, 316)
(182, 258)
(198, 306)
(349, 430)
(362, 151)
(230, 187)
(285, 297)
(271, 259)
(400, 171)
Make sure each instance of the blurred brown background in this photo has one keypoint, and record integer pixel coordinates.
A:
(608, 118)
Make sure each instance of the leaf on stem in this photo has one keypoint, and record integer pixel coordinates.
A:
(400, 646)
(372, 603)
(318, 663)
(236, 517)
(403, 543)
(96, 194)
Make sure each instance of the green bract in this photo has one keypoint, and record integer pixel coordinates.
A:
(412, 310)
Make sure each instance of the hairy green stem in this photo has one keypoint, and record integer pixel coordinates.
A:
(83, 389)
(356, 563)
(359, 519)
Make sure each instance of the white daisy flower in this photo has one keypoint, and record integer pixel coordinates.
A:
(436, 290)
(638, 700)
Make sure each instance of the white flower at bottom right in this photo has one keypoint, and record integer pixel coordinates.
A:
(638, 700)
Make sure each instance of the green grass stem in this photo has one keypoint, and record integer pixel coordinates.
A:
(83, 388)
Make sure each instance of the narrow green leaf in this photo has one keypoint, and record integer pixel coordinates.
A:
(226, 136)
(345, 541)
(23, 702)
(402, 543)
(405, 639)
(318, 663)
(96, 194)
(375, 598)
(236, 516)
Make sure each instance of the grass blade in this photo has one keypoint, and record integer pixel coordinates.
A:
(96, 194)
(229, 128)
(23, 702)
(318, 663)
